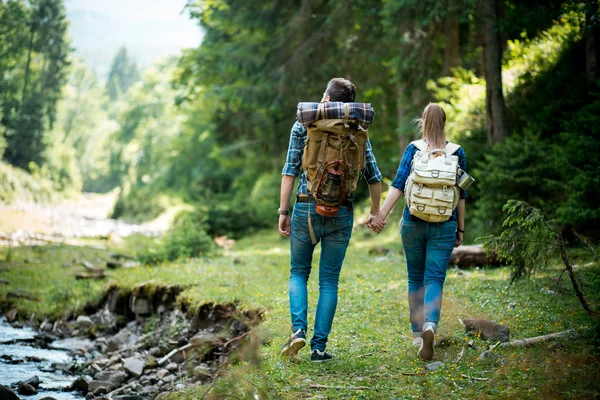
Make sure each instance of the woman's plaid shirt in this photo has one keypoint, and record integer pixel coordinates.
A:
(293, 162)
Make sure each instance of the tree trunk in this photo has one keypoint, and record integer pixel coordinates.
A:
(472, 256)
(28, 64)
(592, 41)
(451, 28)
(400, 118)
(492, 60)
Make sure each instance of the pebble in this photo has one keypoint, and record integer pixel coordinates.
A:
(84, 322)
(162, 373)
(434, 365)
(26, 389)
(134, 365)
(172, 367)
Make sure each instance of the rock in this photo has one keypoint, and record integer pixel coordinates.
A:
(169, 378)
(487, 329)
(162, 373)
(182, 342)
(26, 389)
(379, 251)
(33, 381)
(179, 386)
(134, 365)
(140, 306)
(149, 390)
(555, 347)
(115, 377)
(116, 367)
(99, 388)
(128, 397)
(12, 316)
(112, 345)
(172, 367)
(434, 365)
(155, 352)
(488, 355)
(84, 322)
(79, 385)
(161, 396)
(7, 394)
(151, 362)
(47, 398)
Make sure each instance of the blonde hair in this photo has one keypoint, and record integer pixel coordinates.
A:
(431, 126)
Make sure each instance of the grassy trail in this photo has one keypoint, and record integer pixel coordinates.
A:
(370, 336)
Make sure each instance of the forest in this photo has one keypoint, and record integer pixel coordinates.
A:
(205, 133)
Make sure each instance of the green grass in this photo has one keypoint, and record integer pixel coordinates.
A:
(370, 332)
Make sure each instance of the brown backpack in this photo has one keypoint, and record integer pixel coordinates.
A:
(334, 156)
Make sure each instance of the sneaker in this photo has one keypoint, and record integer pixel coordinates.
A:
(296, 342)
(417, 341)
(426, 349)
(320, 356)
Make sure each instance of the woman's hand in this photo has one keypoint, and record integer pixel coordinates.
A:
(376, 222)
(459, 238)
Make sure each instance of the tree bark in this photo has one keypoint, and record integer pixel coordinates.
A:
(451, 28)
(492, 60)
(592, 41)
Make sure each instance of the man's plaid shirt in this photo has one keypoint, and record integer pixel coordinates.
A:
(293, 162)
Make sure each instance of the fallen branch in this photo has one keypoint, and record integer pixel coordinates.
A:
(474, 378)
(315, 386)
(365, 355)
(415, 373)
(538, 339)
(460, 355)
(119, 389)
(173, 352)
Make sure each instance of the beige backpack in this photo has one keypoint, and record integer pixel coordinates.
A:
(333, 158)
(431, 191)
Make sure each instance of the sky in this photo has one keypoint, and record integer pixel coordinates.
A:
(150, 29)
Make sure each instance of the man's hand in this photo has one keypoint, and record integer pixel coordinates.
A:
(459, 239)
(376, 222)
(284, 225)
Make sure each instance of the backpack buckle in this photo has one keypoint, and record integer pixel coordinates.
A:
(435, 173)
(442, 210)
(420, 207)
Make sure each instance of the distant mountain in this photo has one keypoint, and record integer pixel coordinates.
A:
(97, 37)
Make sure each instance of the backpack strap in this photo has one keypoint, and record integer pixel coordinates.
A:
(419, 144)
(452, 148)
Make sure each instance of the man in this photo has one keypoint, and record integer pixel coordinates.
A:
(333, 233)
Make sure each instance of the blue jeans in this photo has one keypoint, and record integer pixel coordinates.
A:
(334, 234)
(427, 247)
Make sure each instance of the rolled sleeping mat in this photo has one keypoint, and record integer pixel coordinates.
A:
(362, 113)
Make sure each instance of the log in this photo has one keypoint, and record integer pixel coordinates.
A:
(538, 339)
(472, 256)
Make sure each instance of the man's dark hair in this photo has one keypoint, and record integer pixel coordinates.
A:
(340, 89)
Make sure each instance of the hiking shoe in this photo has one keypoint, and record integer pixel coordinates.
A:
(320, 356)
(426, 349)
(296, 342)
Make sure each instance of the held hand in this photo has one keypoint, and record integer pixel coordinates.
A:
(376, 222)
(459, 239)
(284, 225)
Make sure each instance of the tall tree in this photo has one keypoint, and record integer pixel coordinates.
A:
(592, 43)
(35, 50)
(452, 33)
(123, 73)
(492, 60)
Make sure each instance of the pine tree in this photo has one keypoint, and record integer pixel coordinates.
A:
(123, 74)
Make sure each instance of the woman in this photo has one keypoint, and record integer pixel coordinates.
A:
(427, 245)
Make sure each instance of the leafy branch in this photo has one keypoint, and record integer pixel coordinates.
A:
(528, 241)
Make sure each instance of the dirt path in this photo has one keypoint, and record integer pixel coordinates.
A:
(87, 215)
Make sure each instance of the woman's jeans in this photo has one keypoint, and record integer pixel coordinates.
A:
(428, 247)
(334, 234)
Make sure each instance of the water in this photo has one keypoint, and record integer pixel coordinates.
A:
(13, 342)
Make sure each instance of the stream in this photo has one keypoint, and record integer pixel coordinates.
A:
(20, 360)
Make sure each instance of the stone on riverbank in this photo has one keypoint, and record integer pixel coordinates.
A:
(487, 329)
(134, 365)
(79, 385)
(115, 377)
(7, 394)
(26, 389)
(33, 381)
